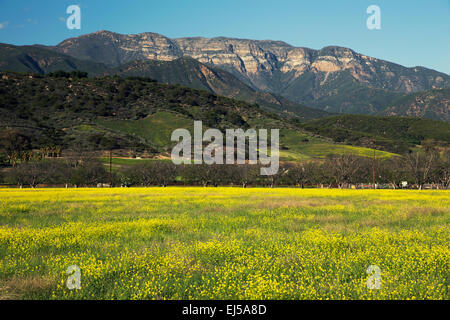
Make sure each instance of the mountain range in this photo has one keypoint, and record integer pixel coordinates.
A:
(334, 78)
(279, 77)
(183, 71)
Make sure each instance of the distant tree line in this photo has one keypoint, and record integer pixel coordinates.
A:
(417, 168)
(67, 75)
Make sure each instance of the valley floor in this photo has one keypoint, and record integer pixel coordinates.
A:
(224, 243)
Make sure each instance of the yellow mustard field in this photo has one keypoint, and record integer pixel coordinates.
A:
(224, 243)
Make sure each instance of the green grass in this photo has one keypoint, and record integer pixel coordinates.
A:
(390, 133)
(155, 129)
(223, 243)
(303, 146)
(130, 161)
(324, 149)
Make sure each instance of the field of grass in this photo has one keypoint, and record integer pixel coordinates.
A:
(303, 146)
(156, 129)
(224, 243)
(128, 161)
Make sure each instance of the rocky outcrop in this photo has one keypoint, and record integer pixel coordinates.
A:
(330, 78)
(432, 104)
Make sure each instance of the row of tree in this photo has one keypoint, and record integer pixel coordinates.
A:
(339, 171)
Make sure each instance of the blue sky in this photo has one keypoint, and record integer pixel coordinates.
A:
(414, 32)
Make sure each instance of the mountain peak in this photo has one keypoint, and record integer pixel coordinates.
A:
(336, 50)
(104, 32)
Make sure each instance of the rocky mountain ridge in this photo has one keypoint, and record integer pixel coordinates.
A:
(252, 59)
(333, 78)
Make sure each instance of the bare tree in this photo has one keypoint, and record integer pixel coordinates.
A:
(297, 174)
(244, 174)
(14, 144)
(392, 171)
(421, 164)
(164, 172)
(277, 178)
(89, 173)
(442, 172)
(30, 173)
(153, 173)
(343, 169)
(140, 174)
(203, 174)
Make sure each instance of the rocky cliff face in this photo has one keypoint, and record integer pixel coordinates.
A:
(333, 78)
(432, 104)
(189, 72)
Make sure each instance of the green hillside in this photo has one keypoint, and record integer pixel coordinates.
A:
(134, 113)
(297, 145)
(395, 134)
(88, 112)
(155, 129)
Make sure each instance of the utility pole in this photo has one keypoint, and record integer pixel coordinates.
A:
(373, 166)
(110, 168)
